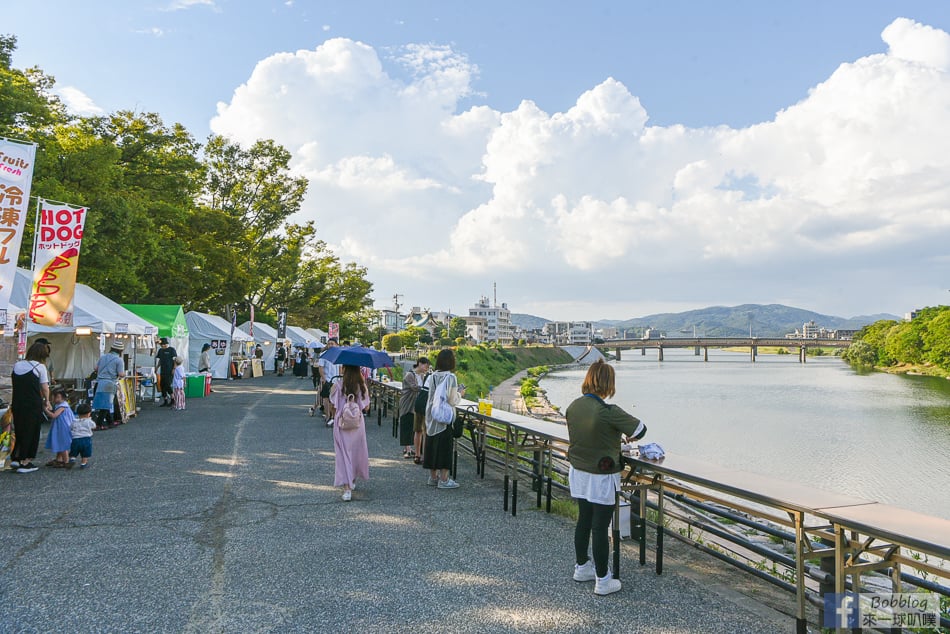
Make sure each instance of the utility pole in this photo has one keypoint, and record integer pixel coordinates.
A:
(396, 297)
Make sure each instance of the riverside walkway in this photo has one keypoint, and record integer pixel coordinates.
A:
(221, 518)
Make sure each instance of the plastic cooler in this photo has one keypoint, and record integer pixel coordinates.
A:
(195, 386)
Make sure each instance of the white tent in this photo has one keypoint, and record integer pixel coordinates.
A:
(264, 335)
(298, 336)
(74, 356)
(204, 328)
(319, 335)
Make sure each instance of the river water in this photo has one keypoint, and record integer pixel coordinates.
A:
(875, 436)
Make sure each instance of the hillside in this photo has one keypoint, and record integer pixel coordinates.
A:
(772, 320)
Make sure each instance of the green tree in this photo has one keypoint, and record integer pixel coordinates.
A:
(27, 104)
(392, 342)
(457, 328)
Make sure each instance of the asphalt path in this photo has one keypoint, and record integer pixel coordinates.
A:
(222, 518)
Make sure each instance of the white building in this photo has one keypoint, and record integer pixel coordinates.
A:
(569, 333)
(476, 328)
(498, 320)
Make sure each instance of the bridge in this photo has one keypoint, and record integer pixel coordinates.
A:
(705, 343)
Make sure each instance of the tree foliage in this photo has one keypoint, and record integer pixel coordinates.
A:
(925, 340)
(173, 221)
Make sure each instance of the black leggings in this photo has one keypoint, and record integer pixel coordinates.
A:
(592, 523)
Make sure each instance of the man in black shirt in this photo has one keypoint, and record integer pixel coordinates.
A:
(165, 361)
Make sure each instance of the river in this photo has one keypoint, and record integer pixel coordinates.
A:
(876, 436)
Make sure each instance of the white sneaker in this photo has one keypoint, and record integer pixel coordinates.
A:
(310, 411)
(330, 423)
(348, 495)
(585, 572)
(448, 484)
(607, 585)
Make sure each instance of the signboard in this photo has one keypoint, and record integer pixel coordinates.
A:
(220, 346)
(121, 328)
(55, 263)
(16, 177)
(281, 323)
(333, 330)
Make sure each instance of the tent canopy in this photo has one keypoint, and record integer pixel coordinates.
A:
(298, 336)
(264, 335)
(169, 318)
(91, 309)
(214, 330)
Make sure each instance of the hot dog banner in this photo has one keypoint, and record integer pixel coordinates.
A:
(59, 231)
(16, 177)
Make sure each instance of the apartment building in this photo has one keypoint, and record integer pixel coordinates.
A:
(498, 320)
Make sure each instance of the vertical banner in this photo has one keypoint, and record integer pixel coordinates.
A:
(16, 177)
(250, 330)
(55, 263)
(333, 330)
(281, 323)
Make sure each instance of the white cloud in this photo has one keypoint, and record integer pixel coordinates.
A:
(155, 31)
(78, 102)
(177, 5)
(836, 194)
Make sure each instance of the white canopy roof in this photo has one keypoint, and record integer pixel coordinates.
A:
(91, 309)
(204, 328)
(298, 336)
(264, 335)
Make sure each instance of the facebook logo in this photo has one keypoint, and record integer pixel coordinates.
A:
(842, 611)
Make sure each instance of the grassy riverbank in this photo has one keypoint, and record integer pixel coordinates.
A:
(480, 367)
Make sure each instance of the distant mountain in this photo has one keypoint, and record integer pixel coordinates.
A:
(772, 320)
(528, 322)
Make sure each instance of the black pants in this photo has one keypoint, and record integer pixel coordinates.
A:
(406, 432)
(166, 382)
(592, 523)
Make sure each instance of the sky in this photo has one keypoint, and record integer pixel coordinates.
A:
(576, 161)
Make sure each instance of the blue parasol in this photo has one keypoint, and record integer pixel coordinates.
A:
(357, 355)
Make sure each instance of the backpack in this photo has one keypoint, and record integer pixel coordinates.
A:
(442, 412)
(351, 416)
(422, 398)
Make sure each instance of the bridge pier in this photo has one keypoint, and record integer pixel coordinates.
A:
(696, 351)
(643, 352)
(617, 352)
(802, 354)
(705, 353)
(660, 349)
(753, 350)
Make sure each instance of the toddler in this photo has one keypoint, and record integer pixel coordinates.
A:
(81, 430)
(58, 440)
(178, 385)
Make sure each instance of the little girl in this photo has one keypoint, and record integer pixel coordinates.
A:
(178, 385)
(60, 437)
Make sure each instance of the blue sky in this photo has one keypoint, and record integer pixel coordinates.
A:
(461, 132)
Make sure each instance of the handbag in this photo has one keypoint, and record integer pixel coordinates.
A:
(422, 398)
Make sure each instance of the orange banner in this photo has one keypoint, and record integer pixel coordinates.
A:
(55, 263)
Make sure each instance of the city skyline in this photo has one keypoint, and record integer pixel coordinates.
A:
(602, 161)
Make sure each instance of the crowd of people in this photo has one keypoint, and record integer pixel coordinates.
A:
(596, 429)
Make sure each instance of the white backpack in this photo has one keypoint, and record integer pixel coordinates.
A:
(442, 412)
(351, 416)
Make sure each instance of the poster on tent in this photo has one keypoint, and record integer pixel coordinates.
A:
(55, 263)
(16, 177)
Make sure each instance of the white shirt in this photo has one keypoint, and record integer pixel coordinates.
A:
(82, 427)
(37, 368)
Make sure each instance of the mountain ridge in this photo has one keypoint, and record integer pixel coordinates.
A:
(767, 320)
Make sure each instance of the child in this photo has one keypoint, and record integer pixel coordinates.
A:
(7, 438)
(178, 385)
(81, 429)
(59, 438)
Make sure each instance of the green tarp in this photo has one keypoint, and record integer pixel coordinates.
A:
(169, 318)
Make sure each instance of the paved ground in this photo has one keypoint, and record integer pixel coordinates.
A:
(222, 518)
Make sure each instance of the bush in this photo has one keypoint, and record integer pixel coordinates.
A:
(392, 343)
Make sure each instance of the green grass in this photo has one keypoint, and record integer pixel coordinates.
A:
(480, 367)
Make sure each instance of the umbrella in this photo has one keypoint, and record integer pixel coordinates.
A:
(316, 345)
(357, 355)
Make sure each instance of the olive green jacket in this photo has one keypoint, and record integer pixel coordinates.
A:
(595, 429)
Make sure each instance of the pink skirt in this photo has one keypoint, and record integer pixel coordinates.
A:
(351, 455)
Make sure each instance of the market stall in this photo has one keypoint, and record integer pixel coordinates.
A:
(170, 321)
(75, 350)
(204, 328)
(264, 335)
